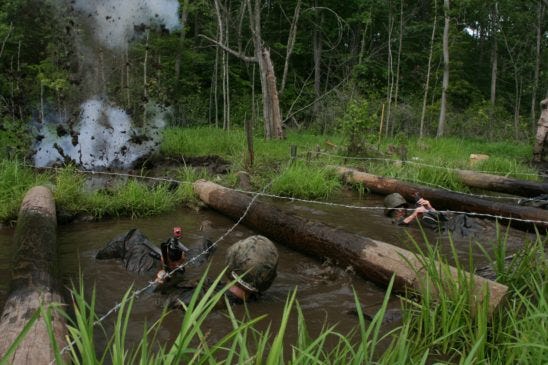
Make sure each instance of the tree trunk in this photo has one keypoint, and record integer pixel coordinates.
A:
(494, 64)
(317, 68)
(375, 260)
(445, 84)
(271, 104)
(540, 22)
(427, 84)
(389, 66)
(184, 18)
(396, 94)
(226, 77)
(442, 199)
(33, 283)
(290, 43)
(145, 92)
(501, 184)
(362, 43)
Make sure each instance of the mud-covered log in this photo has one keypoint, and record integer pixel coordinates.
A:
(33, 281)
(501, 184)
(375, 260)
(443, 199)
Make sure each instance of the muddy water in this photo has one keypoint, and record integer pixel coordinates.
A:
(325, 293)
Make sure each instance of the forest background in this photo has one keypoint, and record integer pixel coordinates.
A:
(467, 68)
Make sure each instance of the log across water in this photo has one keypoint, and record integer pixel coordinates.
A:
(33, 281)
(442, 199)
(501, 184)
(375, 260)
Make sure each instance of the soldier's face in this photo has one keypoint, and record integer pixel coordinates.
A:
(398, 213)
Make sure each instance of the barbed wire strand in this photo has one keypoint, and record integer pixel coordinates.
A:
(136, 293)
(421, 164)
(321, 202)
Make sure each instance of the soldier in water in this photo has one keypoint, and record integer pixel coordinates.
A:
(460, 225)
(251, 264)
(138, 254)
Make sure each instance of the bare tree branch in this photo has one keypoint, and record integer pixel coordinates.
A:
(230, 50)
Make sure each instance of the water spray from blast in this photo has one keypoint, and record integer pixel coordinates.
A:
(104, 135)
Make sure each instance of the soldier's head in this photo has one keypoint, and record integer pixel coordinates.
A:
(177, 232)
(252, 262)
(395, 205)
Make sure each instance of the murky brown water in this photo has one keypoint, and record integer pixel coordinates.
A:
(325, 295)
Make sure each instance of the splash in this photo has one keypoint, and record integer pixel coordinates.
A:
(106, 138)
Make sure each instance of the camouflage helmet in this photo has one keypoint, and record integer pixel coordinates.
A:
(252, 262)
(393, 201)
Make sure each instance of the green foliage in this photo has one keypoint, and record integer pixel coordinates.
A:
(15, 180)
(15, 138)
(206, 141)
(359, 125)
(446, 323)
(303, 181)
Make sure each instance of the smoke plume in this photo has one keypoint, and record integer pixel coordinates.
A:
(103, 135)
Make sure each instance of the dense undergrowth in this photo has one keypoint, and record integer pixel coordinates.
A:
(305, 174)
(451, 327)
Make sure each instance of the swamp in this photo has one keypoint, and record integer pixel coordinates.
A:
(294, 120)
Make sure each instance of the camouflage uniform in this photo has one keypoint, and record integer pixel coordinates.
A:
(251, 262)
(139, 254)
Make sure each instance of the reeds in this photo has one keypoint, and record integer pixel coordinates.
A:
(440, 325)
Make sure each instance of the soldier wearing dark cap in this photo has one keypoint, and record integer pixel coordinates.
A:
(397, 209)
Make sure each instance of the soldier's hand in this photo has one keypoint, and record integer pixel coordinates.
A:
(161, 276)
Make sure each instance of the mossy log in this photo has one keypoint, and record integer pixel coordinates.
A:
(374, 260)
(525, 217)
(33, 281)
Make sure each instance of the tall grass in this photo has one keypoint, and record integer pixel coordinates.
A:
(304, 181)
(15, 180)
(442, 325)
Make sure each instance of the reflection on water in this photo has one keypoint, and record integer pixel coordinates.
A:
(325, 293)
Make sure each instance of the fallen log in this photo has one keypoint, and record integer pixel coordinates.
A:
(375, 260)
(522, 217)
(501, 184)
(33, 282)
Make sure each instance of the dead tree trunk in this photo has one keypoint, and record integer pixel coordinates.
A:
(33, 284)
(271, 104)
(442, 199)
(375, 260)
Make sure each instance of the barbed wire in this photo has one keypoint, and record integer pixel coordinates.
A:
(328, 203)
(136, 293)
(350, 206)
(421, 164)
